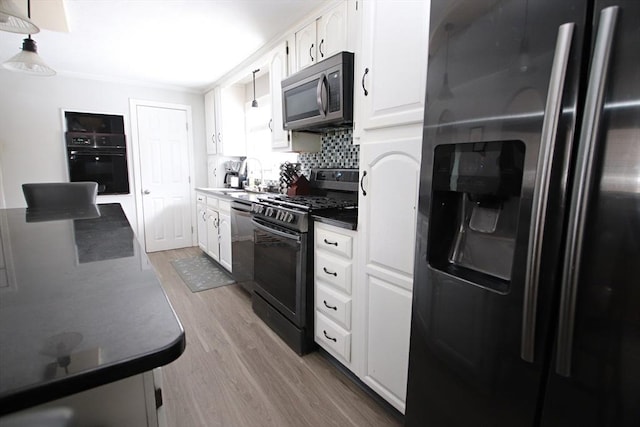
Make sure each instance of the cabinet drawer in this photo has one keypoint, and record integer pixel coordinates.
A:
(224, 205)
(201, 198)
(334, 270)
(212, 202)
(333, 337)
(334, 242)
(334, 305)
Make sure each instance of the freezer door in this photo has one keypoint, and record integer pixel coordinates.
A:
(483, 296)
(595, 376)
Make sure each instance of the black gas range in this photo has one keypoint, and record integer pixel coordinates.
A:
(283, 252)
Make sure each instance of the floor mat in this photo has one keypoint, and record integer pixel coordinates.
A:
(201, 273)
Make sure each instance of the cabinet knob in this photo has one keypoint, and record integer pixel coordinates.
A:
(330, 273)
(330, 243)
(364, 173)
(146, 192)
(320, 48)
(310, 55)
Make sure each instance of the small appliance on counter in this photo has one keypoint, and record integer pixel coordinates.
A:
(232, 178)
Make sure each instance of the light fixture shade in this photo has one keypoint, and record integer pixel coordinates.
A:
(13, 21)
(28, 61)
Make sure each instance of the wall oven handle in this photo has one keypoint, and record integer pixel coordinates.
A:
(582, 186)
(541, 189)
(276, 232)
(321, 95)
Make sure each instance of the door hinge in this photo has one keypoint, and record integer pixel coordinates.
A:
(289, 136)
(286, 48)
(192, 229)
(356, 5)
(158, 396)
(186, 125)
(189, 178)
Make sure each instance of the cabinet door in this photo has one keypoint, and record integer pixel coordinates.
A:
(390, 173)
(202, 227)
(231, 129)
(387, 205)
(393, 66)
(306, 46)
(224, 230)
(277, 71)
(332, 31)
(213, 235)
(388, 325)
(210, 122)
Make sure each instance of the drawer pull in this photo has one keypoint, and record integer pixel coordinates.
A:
(331, 243)
(328, 337)
(332, 273)
(330, 306)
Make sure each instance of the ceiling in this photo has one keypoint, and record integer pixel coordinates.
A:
(182, 43)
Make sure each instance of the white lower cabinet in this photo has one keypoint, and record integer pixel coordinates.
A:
(387, 215)
(214, 228)
(333, 292)
(224, 230)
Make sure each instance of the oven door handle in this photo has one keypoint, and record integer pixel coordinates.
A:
(276, 232)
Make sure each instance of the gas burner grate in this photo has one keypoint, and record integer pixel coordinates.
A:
(312, 202)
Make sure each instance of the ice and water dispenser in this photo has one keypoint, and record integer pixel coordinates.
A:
(474, 211)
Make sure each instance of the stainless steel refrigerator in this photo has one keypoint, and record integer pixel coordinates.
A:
(526, 298)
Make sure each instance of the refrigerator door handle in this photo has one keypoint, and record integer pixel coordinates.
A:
(582, 185)
(541, 188)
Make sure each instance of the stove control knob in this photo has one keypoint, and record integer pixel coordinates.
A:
(289, 217)
(269, 212)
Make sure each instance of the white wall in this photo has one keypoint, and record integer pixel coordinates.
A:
(31, 128)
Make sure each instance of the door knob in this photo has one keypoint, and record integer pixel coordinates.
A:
(146, 192)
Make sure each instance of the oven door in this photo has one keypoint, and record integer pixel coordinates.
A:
(280, 259)
(106, 167)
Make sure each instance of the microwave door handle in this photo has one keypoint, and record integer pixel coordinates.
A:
(321, 95)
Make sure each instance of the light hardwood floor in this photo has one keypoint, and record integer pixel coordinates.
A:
(236, 372)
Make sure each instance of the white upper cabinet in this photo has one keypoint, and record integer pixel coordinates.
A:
(210, 122)
(332, 31)
(277, 71)
(323, 37)
(306, 46)
(391, 71)
(231, 128)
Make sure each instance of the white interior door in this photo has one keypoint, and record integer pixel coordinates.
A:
(163, 139)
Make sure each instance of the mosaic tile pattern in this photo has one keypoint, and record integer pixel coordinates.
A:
(337, 151)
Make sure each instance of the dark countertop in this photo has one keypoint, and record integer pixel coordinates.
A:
(343, 218)
(80, 306)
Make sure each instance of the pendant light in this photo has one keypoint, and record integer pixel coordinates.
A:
(254, 103)
(28, 61)
(445, 91)
(13, 21)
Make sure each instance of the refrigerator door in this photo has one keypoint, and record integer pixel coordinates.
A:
(595, 377)
(479, 322)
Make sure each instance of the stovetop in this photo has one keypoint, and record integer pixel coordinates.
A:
(308, 203)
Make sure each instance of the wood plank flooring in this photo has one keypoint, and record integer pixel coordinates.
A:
(236, 372)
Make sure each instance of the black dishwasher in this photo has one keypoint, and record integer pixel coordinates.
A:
(242, 244)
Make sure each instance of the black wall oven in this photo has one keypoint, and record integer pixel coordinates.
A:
(105, 164)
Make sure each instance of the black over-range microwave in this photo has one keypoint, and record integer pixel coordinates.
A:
(320, 97)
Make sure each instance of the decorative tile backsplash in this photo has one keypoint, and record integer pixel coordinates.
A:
(337, 151)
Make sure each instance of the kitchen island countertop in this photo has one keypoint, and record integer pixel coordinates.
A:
(80, 306)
